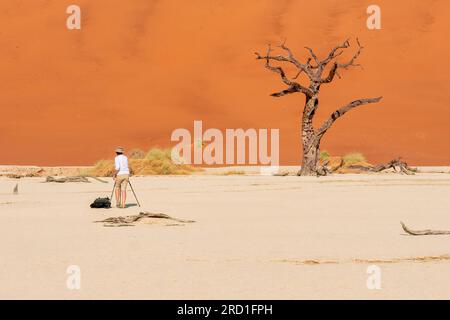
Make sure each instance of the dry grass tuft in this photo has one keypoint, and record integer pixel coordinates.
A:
(232, 173)
(103, 168)
(324, 155)
(136, 154)
(353, 162)
(353, 158)
(156, 162)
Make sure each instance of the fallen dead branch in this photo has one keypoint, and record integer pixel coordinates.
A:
(19, 176)
(426, 232)
(420, 259)
(281, 174)
(14, 176)
(67, 179)
(397, 165)
(98, 179)
(128, 221)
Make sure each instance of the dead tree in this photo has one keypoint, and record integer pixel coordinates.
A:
(314, 69)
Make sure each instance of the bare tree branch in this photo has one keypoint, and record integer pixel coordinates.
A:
(336, 65)
(293, 86)
(341, 111)
(278, 70)
(296, 76)
(313, 55)
(331, 74)
(291, 89)
(290, 55)
(282, 58)
(352, 61)
(334, 53)
(290, 59)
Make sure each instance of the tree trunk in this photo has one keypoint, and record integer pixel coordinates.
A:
(310, 143)
(310, 160)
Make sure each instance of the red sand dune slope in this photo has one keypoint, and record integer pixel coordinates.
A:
(139, 69)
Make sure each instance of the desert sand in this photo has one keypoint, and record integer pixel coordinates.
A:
(255, 237)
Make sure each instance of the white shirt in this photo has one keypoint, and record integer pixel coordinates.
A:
(121, 162)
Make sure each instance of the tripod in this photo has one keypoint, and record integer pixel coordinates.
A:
(134, 193)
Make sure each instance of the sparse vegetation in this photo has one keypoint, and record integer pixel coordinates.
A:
(354, 162)
(233, 172)
(158, 154)
(156, 162)
(324, 155)
(353, 158)
(136, 154)
(103, 168)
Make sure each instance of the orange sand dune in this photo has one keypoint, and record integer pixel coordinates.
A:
(139, 69)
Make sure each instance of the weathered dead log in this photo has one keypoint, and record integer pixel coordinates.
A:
(67, 179)
(426, 232)
(162, 216)
(396, 164)
(74, 179)
(14, 176)
(333, 164)
(131, 220)
(322, 171)
(19, 175)
(281, 174)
